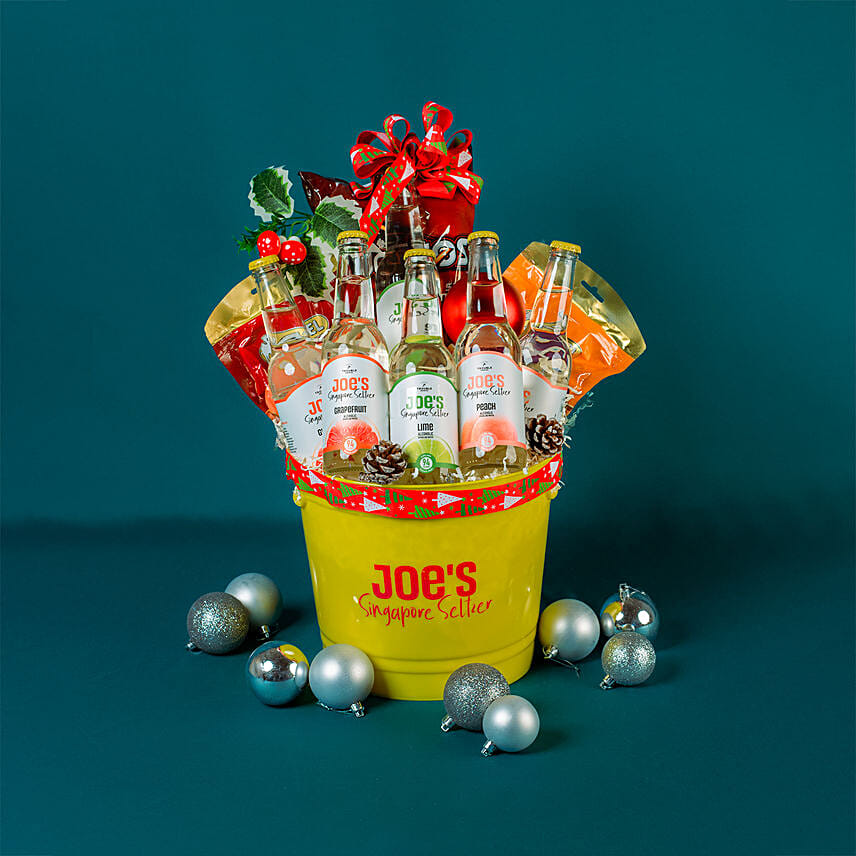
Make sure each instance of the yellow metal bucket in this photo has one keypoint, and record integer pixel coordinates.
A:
(424, 596)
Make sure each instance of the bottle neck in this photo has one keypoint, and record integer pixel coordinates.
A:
(485, 292)
(403, 225)
(422, 301)
(354, 292)
(282, 319)
(552, 307)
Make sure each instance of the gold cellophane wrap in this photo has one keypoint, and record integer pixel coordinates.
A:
(603, 333)
(240, 305)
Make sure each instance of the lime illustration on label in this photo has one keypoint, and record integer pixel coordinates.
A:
(389, 308)
(300, 416)
(354, 403)
(541, 396)
(423, 420)
(491, 402)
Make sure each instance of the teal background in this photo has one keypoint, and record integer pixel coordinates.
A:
(702, 154)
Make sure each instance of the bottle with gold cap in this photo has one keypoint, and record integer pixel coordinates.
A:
(423, 398)
(294, 368)
(354, 377)
(487, 353)
(403, 231)
(546, 353)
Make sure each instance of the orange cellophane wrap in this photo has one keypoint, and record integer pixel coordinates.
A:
(605, 338)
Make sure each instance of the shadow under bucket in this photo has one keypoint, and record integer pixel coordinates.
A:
(425, 580)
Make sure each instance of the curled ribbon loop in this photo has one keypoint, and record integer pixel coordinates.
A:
(441, 169)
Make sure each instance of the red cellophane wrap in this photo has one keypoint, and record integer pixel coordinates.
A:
(440, 175)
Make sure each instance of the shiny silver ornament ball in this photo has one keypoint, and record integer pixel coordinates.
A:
(217, 623)
(568, 630)
(630, 609)
(261, 596)
(628, 659)
(469, 692)
(277, 672)
(341, 676)
(511, 724)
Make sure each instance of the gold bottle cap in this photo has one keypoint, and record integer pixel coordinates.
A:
(420, 251)
(473, 235)
(263, 261)
(564, 245)
(351, 233)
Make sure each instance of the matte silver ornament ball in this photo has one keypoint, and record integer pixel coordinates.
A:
(568, 630)
(469, 692)
(261, 596)
(277, 672)
(628, 659)
(630, 609)
(217, 623)
(341, 676)
(511, 724)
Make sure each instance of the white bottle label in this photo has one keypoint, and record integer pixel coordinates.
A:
(354, 399)
(300, 415)
(541, 396)
(390, 306)
(423, 420)
(490, 401)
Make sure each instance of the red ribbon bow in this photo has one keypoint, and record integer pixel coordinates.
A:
(391, 163)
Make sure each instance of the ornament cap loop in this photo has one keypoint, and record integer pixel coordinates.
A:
(447, 724)
(607, 683)
(357, 709)
(488, 749)
(191, 647)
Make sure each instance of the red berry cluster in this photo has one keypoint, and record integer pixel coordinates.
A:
(290, 252)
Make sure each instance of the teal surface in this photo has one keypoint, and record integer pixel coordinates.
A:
(701, 154)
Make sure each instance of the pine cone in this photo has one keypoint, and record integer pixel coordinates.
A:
(383, 463)
(544, 436)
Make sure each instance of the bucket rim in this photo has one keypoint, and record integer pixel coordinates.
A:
(421, 502)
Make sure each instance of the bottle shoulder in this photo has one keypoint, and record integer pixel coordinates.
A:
(492, 337)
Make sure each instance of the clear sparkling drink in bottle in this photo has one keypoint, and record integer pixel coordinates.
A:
(546, 353)
(294, 369)
(355, 360)
(403, 231)
(490, 384)
(423, 399)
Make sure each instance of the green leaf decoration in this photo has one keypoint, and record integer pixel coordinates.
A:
(347, 490)
(333, 215)
(269, 194)
(308, 277)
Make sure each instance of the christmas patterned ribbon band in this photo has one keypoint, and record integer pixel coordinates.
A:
(441, 169)
(442, 502)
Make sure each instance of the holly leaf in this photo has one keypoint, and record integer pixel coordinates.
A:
(269, 194)
(333, 214)
(308, 277)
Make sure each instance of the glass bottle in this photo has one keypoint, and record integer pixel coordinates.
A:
(490, 384)
(423, 399)
(403, 232)
(545, 352)
(355, 360)
(294, 368)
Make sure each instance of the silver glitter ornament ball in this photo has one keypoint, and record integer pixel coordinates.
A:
(628, 659)
(630, 609)
(261, 596)
(568, 630)
(217, 623)
(277, 672)
(469, 692)
(511, 724)
(341, 676)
